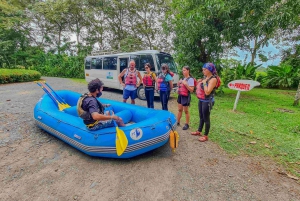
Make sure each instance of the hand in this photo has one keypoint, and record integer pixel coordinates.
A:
(137, 85)
(184, 82)
(107, 105)
(123, 84)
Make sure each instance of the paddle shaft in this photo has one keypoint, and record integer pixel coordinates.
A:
(49, 94)
(58, 97)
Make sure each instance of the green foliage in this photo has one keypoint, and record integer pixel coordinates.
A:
(60, 66)
(238, 72)
(18, 75)
(280, 76)
(260, 76)
(264, 116)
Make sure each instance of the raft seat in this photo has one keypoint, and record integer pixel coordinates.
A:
(126, 115)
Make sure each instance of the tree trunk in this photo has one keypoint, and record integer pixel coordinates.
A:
(297, 96)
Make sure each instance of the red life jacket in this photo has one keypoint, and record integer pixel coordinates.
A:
(131, 77)
(201, 93)
(148, 80)
(182, 90)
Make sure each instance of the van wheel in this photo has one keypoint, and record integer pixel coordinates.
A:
(141, 93)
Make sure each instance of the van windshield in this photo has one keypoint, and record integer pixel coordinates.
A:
(163, 58)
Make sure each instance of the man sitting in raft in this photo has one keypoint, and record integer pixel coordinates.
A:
(91, 110)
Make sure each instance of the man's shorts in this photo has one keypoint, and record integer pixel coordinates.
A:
(131, 94)
(184, 100)
(102, 124)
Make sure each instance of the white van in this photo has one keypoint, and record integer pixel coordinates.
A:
(108, 65)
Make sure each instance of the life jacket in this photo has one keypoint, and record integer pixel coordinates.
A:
(148, 80)
(131, 77)
(85, 115)
(201, 93)
(163, 85)
(182, 90)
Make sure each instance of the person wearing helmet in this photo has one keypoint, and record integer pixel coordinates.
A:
(91, 110)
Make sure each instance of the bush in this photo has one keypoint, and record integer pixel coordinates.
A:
(18, 75)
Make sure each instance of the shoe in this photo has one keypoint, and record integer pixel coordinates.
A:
(196, 133)
(186, 126)
(203, 139)
(178, 124)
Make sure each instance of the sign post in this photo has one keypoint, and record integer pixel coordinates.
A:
(241, 85)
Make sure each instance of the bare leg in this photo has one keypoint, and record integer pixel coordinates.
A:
(179, 115)
(187, 114)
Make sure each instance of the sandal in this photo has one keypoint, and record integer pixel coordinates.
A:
(203, 139)
(196, 133)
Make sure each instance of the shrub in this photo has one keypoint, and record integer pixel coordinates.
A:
(18, 75)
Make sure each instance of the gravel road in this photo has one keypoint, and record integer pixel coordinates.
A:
(36, 166)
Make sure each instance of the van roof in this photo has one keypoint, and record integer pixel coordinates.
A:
(115, 53)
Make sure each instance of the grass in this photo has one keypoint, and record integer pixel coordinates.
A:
(82, 81)
(264, 117)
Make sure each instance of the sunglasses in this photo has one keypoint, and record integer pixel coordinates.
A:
(163, 68)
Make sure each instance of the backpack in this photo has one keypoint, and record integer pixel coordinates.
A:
(218, 82)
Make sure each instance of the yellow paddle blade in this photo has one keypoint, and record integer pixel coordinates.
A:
(66, 105)
(61, 107)
(121, 141)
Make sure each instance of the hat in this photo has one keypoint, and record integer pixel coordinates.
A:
(211, 67)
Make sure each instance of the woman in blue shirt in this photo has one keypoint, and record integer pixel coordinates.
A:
(165, 85)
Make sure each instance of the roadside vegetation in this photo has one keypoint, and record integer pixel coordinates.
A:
(18, 75)
(264, 124)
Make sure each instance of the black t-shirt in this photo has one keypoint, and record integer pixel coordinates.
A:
(90, 104)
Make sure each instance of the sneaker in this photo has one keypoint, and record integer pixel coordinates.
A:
(186, 126)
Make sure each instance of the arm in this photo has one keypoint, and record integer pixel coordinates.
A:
(102, 117)
(120, 77)
(190, 88)
(140, 79)
(211, 85)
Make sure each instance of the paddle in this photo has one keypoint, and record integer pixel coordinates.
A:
(61, 100)
(59, 105)
(121, 139)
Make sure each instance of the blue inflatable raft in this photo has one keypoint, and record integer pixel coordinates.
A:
(146, 129)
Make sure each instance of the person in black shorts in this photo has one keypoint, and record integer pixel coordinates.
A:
(185, 86)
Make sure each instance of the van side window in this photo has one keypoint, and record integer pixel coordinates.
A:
(136, 58)
(146, 59)
(99, 63)
(93, 64)
(87, 64)
(110, 63)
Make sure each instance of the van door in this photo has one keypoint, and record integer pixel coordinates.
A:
(140, 61)
(123, 62)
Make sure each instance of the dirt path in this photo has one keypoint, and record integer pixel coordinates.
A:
(36, 166)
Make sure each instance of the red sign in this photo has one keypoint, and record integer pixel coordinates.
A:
(243, 85)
